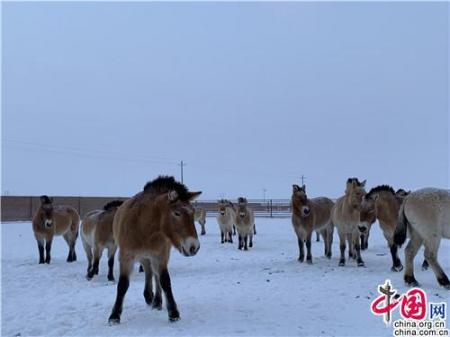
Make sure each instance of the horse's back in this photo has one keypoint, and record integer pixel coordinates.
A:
(66, 219)
(88, 225)
(322, 209)
(428, 210)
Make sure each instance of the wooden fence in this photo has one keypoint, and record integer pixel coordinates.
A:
(22, 208)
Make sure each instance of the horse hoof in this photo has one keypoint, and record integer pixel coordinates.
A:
(341, 264)
(397, 269)
(88, 277)
(111, 278)
(113, 321)
(174, 319)
(424, 268)
(157, 305)
(361, 264)
(309, 261)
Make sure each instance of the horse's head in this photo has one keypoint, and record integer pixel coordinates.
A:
(355, 192)
(242, 207)
(222, 206)
(300, 200)
(178, 215)
(367, 214)
(46, 210)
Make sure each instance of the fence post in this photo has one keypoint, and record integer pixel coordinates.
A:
(271, 215)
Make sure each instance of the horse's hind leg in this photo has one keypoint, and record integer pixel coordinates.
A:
(111, 252)
(357, 251)
(425, 264)
(98, 250)
(254, 229)
(148, 287)
(89, 257)
(126, 266)
(317, 236)
(72, 256)
(410, 252)
(234, 229)
(431, 249)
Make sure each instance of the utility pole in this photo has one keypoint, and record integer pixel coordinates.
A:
(303, 179)
(182, 164)
(264, 193)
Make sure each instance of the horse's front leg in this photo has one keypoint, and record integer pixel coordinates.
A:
(308, 247)
(342, 238)
(126, 266)
(40, 244)
(357, 248)
(48, 248)
(396, 262)
(164, 279)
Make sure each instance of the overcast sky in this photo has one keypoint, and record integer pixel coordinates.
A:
(99, 98)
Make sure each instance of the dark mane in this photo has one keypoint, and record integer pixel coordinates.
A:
(379, 188)
(45, 199)
(112, 204)
(164, 184)
(350, 180)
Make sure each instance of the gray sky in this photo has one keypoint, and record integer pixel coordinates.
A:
(99, 98)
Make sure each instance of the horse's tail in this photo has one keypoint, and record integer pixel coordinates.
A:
(402, 226)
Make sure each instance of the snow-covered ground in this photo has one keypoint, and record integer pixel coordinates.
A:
(220, 291)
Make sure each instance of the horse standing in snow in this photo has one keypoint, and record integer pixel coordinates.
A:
(310, 215)
(226, 218)
(245, 224)
(49, 221)
(382, 203)
(145, 228)
(200, 216)
(425, 213)
(97, 234)
(345, 215)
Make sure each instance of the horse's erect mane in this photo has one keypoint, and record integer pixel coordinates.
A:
(112, 204)
(45, 199)
(379, 188)
(358, 183)
(164, 184)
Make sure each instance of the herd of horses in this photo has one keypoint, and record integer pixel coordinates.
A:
(145, 227)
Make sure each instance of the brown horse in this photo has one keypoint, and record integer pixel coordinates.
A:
(200, 216)
(383, 203)
(49, 221)
(345, 216)
(310, 215)
(226, 218)
(97, 234)
(145, 228)
(245, 224)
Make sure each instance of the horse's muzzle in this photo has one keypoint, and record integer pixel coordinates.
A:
(190, 246)
(48, 223)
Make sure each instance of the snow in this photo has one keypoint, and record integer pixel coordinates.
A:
(221, 291)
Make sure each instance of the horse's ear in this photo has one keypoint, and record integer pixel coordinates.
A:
(51, 200)
(172, 196)
(363, 183)
(295, 188)
(193, 195)
(304, 188)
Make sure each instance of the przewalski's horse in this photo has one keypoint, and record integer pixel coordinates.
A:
(96, 235)
(145, 228)
(49, 221)
(310, 215)
(226, 218)
(245, 224)
(345, 216)
(368, 217)
(425, 214)
(200, 217)
(382, 203)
